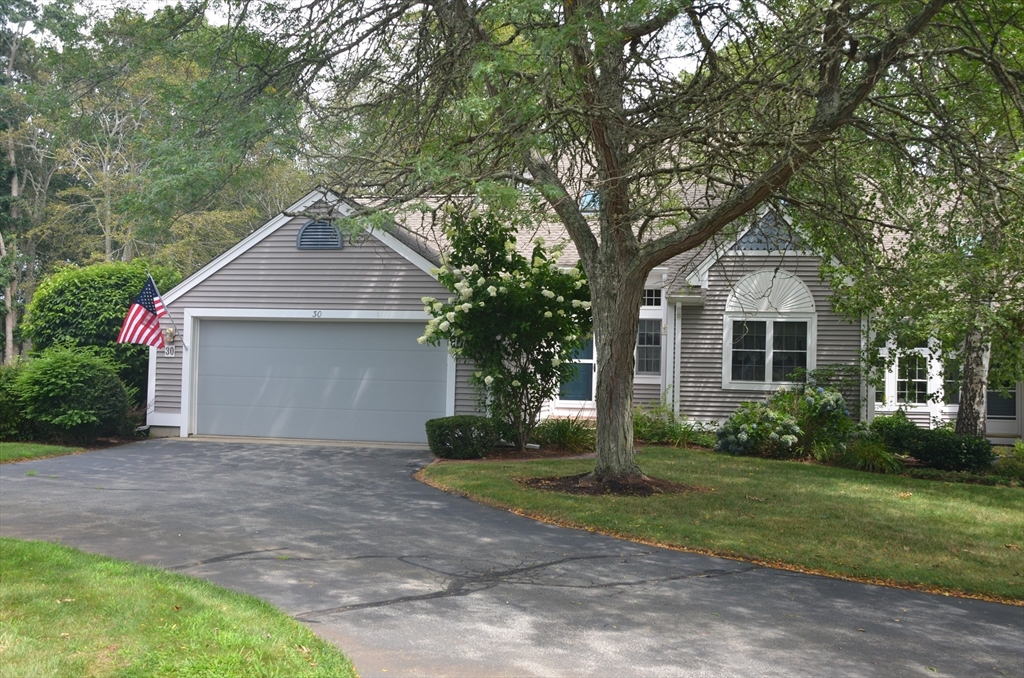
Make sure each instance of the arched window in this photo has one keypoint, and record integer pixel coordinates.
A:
(769, 332)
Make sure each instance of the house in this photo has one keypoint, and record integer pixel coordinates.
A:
(300, 331)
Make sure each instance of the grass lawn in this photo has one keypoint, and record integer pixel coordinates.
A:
(20, 451)
(67, 613)
(917, 533)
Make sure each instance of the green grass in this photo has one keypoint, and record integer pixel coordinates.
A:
(903, 531)
(20, 451)
(67, 613)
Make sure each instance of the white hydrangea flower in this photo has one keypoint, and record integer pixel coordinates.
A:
(481, 304)
(478, 374)
(450, 315)
(426, 309)
(492, 290)
(466, 306)
(575, 303)
(421, 340)
(550, 334)
(437, 306)
(515, 382)
(503, 289)
(548, 293)
(510, 246)
(585, 304)
(488, 380)
(444, 326)
(481, 281)
(480, 250)
(559, 298)
(547, 314)
(555, 362)
(578, 284)
(428, 300)
(573, 272)
(561, 312)
(537, 262)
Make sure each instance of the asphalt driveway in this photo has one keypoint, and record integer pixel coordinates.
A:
(411, 581)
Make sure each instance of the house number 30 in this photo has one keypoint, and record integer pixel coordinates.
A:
(317, 314)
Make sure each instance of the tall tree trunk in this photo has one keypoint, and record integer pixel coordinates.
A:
(972, 416)
(11, 288)
(9, 310)
(616, 308)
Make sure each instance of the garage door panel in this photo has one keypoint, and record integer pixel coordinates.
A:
(327, 380)
(369, 394)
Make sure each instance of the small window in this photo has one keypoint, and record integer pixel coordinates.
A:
(590, 201)
(318, 235)
(648, 347)
(912, 379)
(652, 297)
(1002, 406)
(789, 350)
(581, 386)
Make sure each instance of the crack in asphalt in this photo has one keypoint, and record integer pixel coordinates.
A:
(462, 585)
(229, 556)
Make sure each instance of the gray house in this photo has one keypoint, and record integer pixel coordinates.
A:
(300, 331)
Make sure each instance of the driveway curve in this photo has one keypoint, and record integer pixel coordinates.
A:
(411, 581)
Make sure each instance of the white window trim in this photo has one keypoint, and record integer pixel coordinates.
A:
(935, 382)
(651, 313)
(812, 348)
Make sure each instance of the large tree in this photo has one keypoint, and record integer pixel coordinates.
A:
(682, 115)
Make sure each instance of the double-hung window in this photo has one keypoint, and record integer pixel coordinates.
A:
(769, 333)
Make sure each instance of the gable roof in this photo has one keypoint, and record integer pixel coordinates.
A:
(414, 252)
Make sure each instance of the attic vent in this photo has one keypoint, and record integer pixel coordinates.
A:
(318, 235)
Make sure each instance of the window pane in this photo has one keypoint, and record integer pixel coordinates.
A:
(652, 297)
(748, 365)
(789, 336)
(1002, 407)
(585, 353)
(648, 350)
(784, 363)
(912, 381)
(749, 335)
(581, 386)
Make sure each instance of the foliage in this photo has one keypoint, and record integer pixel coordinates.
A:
(86, 307)
(658, 425)
(897, 432)
(461, 436)
(994, 478)
(568, 433)
(821, 414)
(1012, 463)
(68, 613)
(560, 101)
(13, 423)
(943, 449)
(759, 430)
(73, 395)
(517, 320)
(868, 453)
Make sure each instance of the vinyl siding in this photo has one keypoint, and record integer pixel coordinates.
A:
(466, 400)
(646, 394)
(701, 395)
(273, 274)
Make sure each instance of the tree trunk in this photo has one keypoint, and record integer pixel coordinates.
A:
(972, 416)
(616, 308)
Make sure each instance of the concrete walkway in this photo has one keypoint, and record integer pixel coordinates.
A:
(413, 582)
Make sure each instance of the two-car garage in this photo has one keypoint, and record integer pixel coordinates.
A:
(340, 380)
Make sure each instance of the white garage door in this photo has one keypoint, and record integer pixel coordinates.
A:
(322, 380)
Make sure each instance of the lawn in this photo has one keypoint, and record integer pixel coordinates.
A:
(951, 537)
(21, 451)
(67, 613)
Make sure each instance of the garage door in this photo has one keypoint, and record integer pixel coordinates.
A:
(322, 380)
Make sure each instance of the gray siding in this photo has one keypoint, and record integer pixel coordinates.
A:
(645, 394)
(273, 274)
(466, 400)
(701, 395)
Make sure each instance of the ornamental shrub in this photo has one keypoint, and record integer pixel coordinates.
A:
(1011, 464)
(897, 432)
(869, 453)
(943, 449)
(757, 429)
(74, 396)
(517, 320)
(461, 436)
(821, 414)
(658, 425)
(13, 423)
(86, 307)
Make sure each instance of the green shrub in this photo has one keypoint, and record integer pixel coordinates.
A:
(897, 432)
(461, 436)
(73, 396)
(1011, 464)
(821, 414)
(869, 453)
(757, 429)
(86, 307)
(13, 423)
(658, 425)
(568, 433)
(943, 449)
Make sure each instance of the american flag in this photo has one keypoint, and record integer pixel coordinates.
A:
(142, 324)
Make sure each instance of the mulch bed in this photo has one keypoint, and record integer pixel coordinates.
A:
(585, 484)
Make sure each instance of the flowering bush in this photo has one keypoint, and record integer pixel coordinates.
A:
(517, 319)
(822, 415)
(757, 429)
